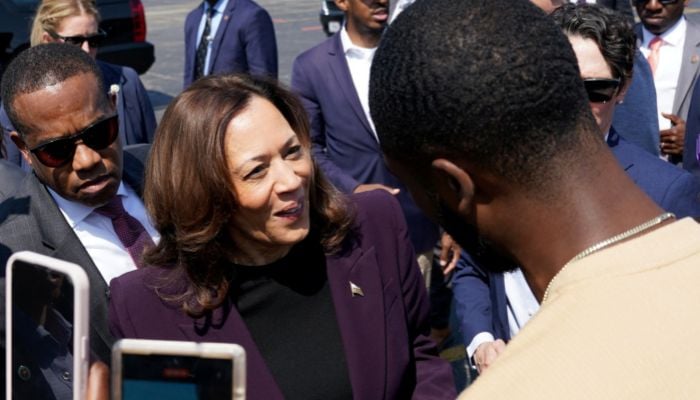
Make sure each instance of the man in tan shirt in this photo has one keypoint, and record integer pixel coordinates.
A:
(483, 114)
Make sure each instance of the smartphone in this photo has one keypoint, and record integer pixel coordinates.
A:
(46, 317)
(173, 370)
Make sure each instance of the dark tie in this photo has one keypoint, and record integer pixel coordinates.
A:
(201, 56)
(129, 230)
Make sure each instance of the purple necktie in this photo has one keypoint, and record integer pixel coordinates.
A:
(129, 230)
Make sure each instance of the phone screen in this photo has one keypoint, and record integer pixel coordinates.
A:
(175, 377)
(42, 333)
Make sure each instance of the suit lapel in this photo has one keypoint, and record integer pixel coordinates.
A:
(341, 71)
(689, 67)
(61, 242)
(220, 32)
(360, 318)
(226, 326)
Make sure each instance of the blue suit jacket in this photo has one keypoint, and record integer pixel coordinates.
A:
(636, 119)
(692, 135)
(481, 296)
(384, 332)
(244, 42)
(343, 143)
(137, 121)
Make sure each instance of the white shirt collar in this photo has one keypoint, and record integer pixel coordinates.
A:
(75, 212)
(353, 50)
(673, 36)
(219, 6)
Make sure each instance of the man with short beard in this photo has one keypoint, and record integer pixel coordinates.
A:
(482, 114)
(332, 80)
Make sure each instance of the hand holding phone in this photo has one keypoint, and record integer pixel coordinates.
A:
(47, 312)
(162, 369)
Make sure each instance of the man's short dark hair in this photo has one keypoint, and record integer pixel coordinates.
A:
(41, 66)
(608, 29)
(494, 82)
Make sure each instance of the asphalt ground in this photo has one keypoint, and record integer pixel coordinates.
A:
(297, 28)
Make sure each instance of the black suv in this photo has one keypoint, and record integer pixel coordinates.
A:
(123, 20)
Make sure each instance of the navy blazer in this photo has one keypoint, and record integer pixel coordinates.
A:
(691, 160)
(30, 220)
(637, 119)
(481, 296)
(384, 332)
(137, 121)
(244, 42)
(342, 141)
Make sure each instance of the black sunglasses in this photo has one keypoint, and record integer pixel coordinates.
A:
(97, 136)
(94, 41)
(664, 2)
(601, 90)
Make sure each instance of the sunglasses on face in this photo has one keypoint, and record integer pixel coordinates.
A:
(601, 90)
(97, 136)
(663, 2)
(94, 41)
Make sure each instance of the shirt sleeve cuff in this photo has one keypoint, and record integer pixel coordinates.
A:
(480, 338)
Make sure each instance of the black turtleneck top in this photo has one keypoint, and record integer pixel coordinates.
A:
(288, 308)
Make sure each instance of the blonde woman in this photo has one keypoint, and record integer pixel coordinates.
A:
(76, 22)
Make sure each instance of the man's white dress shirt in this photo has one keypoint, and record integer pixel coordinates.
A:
(669, 67)
(97, 235)
(521, 306)
(359, 62)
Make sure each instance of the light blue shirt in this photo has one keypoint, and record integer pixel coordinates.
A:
(219, 8)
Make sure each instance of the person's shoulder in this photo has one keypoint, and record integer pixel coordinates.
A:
(375, 207)
(646, 162)
(10, 175)
(247, 10)
(194, 12)
(138, 284)
(137, 153)
(130, 74)
(692, 23)
(310, 55)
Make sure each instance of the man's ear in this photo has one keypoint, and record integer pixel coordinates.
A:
(454, 185)
(342, 4)
(19, 142)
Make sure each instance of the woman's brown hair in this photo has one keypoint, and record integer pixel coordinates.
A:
(188, 189)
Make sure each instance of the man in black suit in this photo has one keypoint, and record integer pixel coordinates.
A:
(10, 174)
(66, 129)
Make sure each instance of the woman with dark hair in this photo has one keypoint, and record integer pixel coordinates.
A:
(257, 248)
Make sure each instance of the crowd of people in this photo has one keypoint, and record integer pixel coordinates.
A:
(546, 149)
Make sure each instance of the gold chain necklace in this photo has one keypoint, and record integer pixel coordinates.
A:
(610, 241)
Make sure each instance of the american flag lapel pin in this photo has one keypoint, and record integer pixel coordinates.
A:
(356, 290)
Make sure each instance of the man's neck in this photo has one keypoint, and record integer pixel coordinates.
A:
(600, 203)
(367, 39)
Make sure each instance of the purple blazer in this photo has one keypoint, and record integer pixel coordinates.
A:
(384, 332)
